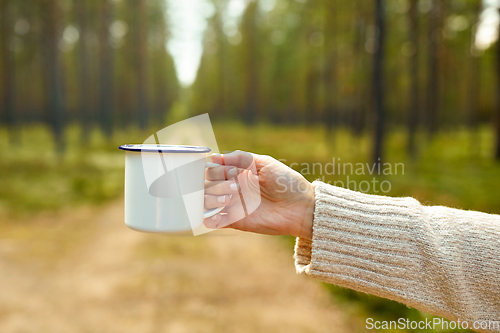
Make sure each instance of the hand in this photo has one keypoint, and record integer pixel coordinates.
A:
(286, 197)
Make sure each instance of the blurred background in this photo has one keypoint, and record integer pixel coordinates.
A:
(306, 81)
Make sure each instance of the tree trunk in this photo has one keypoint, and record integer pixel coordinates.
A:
(433, 69)
(329, 60)
(9, 70)
(311, 98)
(329, 114)
(363, 104)
(105, 71)
(474, 92)
(414, 84)
(222, 63)
(252, 84)
(474, 87)
(378, 83)
(162, 90)
(497, 152)
(53, 75)
(85, 113)
(142, 58)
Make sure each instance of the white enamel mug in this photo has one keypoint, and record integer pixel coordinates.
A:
(164, 187)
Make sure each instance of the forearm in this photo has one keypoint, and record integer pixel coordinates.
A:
(436, 259)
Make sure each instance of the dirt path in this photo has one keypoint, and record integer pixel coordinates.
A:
(84, 271)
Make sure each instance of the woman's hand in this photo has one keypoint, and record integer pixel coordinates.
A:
(286, 198)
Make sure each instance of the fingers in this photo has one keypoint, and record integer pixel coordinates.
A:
(223, 220)
(219, 221)
(230, 215)
(221, 187)
(243, 184)
(211, 222)
(221, 173)
(213, 201)
(250, 191)
(237, 158)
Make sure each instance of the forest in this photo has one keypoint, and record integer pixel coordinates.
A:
(362, 65)
(98, 64)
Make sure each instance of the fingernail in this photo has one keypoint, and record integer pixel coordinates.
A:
(221, 199)
(233, 172)
(214, 218)
(234, 187)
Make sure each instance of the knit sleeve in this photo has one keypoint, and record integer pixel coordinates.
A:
(439, 260)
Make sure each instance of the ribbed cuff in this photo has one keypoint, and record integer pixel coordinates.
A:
(302, 254)
(366, 243)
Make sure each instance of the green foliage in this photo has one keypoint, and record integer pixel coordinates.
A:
(447, 172)
(314, 58)
(34, 178)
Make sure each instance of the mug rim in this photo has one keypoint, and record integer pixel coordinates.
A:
(159, 148)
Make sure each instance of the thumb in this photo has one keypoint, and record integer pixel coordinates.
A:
(239, 159)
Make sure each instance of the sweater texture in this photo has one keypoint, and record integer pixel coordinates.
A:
(438, 260)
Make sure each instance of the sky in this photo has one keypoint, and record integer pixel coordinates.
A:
(487, 30)
(188, 20)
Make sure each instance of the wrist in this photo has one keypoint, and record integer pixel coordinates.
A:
(307, 223)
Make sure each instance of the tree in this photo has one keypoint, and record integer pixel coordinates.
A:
(250, 40)
(162, 87)
(313, 75)
(222, 100)
(9, 68)
(414, 85)
(329, 71)
(433, 68)
(362, 103)
(53, 72)
(378, 82)
(85, 110)
(474, 84)
(105, 70)
(497, 152)
(141, 49)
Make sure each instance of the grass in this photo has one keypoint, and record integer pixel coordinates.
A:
(447, 172)
(34, 178)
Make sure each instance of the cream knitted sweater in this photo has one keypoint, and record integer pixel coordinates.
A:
(439, 260)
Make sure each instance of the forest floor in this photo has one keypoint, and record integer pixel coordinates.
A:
(83, 270)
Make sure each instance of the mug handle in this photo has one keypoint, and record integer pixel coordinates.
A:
(213, 211)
